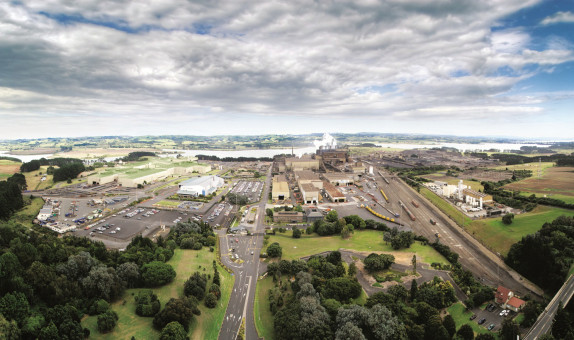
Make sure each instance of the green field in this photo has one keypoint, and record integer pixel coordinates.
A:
(499, 237)
(565, 198)
(262, 312)
(462, 316)
(34, 182)
(528, 166)
(205, 326)
(169, 203)
(27, 214)
(445, 207)
(366, 240)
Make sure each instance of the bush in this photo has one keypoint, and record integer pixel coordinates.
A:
(157, 273)
(210, 301)
(147, 303)
(107, 321)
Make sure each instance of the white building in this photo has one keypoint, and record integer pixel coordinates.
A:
(204, 185)
(45, 213)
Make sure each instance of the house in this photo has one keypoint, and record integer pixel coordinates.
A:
(288, 216)
(505, 298)
(314, 215)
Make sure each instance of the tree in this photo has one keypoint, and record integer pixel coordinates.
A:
(346, 232)
(384, 325)
(352, 271)
(99, 307)
(210, 301)
(341, 288)
(147, 303)
(14, 306)
(296, 232)
(103, 283)
(509, 330)
(485, 336)
(9, 329)
(332, 216)
(129, 273)
(465, 332)
(414, 263)
(49, 332)
(173, 331)
(107, 321)
(449, 324)
(274, 250)
(414, 289)
(315, 321)
(157, 273)
(180, 310)
(195, 286)
(375, 262)
(349, 331)
(434, 330)
(562, 322)
(507, 219)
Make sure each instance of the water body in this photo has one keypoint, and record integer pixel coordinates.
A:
(503, 147)
(463, 147)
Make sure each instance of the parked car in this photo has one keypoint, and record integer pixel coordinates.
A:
(490, 327)
(491, 308)
(473, 316)
(481, 321)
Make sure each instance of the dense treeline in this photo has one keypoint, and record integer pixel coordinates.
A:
(68, 171)
(48, 283)
(511, 159)
(546, 256)
(318, 304)
(11, 195)
(35, 164)
(134, 156)
(13, 159)
(234, 159)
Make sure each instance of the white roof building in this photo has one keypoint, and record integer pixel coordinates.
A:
(196, 186)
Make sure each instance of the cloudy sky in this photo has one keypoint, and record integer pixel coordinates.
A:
(461, 67)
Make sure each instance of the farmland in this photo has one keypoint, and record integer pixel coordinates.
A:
(8, 168)
(554, 182)
(500, 237)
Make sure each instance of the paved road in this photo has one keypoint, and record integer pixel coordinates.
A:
(242, 299)
(544, 322)
(485, 265)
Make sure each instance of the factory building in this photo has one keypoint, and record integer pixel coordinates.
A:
(45, 212)
(303, 163)
(288, 216)
(204, 185)
(279, 188)
(333, 193)
(338, 179)
(310, 193)
(308, 177)
(333, 156)
(475, 198)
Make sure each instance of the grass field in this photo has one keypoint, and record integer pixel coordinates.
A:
(366, 240)
(555, 182)
(461, 316)
(528, 166)
(499, 237)
(27, 214)
(262, 312)
(205, 326)
(8, 168)
(169, 203)
(34, 179)
(445, 207)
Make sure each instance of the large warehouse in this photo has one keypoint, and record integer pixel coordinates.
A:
(204, 185)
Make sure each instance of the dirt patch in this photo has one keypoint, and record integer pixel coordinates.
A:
(556, 180)
(39, 151)
(486, 175)
(400, 258)
(9, 169)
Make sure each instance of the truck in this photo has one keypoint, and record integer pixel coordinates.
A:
(415, 203)
(433, 222)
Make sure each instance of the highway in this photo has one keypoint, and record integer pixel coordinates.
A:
(241, 303)
(475, 257)
(544, 323)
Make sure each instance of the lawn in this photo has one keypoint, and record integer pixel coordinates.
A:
(445, 207)
(169, 203)
(499, 237)
(34, 182)
(462, 316)
(555, 182)
(27, 214)
(8, 168)
(185, 262)
(262, 312)
(366, 240)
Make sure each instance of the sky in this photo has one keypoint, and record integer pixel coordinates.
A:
(148, 67)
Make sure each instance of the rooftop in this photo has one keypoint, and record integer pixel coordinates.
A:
(306, 175)
(332, 190)
(515, 302)
(203, 180)
(473, 193)
(336, 176)
(308, 187)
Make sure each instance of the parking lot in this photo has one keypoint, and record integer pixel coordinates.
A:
(141, 220)
(251, 189)
(491, 318)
